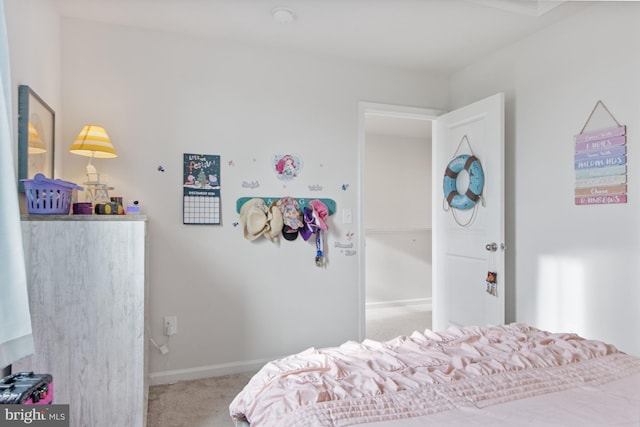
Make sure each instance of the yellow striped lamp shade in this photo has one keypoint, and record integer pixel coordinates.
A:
(36, 146)
(93, 141)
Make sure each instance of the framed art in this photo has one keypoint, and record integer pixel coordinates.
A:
(36, 132)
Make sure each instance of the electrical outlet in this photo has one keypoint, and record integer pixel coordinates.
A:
(170, 325)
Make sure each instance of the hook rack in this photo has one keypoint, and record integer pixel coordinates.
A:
(302, 201)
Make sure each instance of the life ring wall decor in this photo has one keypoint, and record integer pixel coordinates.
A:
(468, 199)
(455, 200)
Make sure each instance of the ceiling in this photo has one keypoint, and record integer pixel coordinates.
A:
(425, 34)
(436, 35)
(377, 124)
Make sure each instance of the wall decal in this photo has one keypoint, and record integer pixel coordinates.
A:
(600, 163)
(343, 245)
(252, 185)
(201, 189)
(287, 166)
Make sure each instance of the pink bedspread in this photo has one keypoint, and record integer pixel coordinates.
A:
(422, 374)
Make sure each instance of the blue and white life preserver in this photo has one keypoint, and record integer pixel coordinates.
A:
(476, 182)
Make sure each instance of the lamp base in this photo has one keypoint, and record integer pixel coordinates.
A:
(97, 178)
(97, 193)
(96, 185)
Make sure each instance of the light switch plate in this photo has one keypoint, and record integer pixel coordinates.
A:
(347, 216)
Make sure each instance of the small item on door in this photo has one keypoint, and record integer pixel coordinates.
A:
(492, 283)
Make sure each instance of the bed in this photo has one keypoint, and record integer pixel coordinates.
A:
(508, 375)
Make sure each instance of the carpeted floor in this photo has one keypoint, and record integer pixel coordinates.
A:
(386, 323)
(197, 403)
(205, 402)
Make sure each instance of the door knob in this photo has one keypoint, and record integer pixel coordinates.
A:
(493, 246)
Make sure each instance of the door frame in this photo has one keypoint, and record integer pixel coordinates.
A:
(389, 110)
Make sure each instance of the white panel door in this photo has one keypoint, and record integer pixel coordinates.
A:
(461, 259)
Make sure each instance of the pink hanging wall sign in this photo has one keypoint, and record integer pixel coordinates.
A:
(602, 200)
(600, 135)
(600, 164)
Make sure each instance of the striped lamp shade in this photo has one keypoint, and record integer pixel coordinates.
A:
(93, 141)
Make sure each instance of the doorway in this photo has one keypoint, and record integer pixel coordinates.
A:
(395, 236)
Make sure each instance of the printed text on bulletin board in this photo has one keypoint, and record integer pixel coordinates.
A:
(201, 189)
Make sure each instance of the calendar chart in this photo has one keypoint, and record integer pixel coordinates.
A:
(201, 189)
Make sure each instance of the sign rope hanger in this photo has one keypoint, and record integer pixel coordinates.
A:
(594, 110)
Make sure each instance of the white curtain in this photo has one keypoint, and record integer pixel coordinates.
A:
(16, 341)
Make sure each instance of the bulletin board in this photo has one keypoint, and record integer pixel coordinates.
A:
(201, 189)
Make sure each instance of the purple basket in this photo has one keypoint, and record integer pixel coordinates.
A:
(48, 196)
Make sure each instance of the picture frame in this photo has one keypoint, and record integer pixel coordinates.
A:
(36, 136)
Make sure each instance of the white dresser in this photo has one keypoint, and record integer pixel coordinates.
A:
(87, 293)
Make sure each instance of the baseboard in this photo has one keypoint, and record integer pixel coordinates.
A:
(176, 375)
(400, 303)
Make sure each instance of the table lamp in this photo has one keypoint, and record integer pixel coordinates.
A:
(93, 142)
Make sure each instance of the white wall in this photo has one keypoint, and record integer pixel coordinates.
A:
(33, 29)
(398, 182)
(573, 267)
(398, 219)
(160, 95)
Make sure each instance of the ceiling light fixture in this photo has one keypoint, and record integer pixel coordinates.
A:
(283, 15)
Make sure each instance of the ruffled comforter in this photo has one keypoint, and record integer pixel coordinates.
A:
(422, 374)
